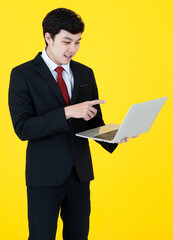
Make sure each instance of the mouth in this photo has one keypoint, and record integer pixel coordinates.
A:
(68, 56)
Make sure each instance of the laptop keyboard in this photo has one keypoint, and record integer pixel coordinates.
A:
(108, 135)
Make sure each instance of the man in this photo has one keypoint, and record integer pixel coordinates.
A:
(51, 98)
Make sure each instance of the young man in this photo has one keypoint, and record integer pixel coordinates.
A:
(51, 98)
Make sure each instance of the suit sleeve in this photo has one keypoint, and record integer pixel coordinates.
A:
(27, 124)
(98, 120)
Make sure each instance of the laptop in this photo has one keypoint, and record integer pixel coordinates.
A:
(138, 120)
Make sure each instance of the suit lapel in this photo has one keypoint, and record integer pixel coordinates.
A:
(77, 74)
(45, 73)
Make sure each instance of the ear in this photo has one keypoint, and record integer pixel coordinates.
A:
(48, 38)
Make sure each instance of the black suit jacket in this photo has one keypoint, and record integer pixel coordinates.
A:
(37, 110)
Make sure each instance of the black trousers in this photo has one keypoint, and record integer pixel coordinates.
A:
(44, 203)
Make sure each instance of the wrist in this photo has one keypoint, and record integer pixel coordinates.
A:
(67, 112)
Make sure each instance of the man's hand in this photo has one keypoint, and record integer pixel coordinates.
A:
(83, 110)
(126, 139)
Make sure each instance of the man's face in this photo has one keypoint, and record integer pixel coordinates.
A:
(64, 46)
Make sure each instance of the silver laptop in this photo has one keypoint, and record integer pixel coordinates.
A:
(138, 120)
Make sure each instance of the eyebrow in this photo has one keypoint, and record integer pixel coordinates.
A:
(68, 38)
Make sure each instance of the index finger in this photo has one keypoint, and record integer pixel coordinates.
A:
(135, 136)
(95, 102)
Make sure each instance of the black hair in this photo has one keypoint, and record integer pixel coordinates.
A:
(62, 18)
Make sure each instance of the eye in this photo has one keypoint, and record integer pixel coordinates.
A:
(77, 43)
(66, 42)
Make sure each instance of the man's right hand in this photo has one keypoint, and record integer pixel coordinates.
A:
(83, 110)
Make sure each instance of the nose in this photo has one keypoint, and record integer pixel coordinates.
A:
(73, 48)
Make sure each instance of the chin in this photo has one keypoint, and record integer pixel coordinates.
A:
(66, 62)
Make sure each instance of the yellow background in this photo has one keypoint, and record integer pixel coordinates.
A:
(128, 44)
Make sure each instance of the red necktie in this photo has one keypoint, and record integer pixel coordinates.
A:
(62, 85)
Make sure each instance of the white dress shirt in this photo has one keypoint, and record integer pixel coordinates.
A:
(66, 74)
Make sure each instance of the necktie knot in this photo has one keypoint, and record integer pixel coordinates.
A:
(59, 70)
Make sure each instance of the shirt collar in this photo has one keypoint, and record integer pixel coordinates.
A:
(52, 65)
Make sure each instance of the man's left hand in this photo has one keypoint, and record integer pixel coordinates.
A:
(126, 139)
